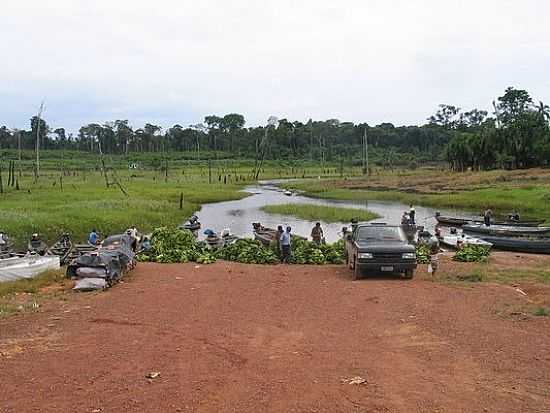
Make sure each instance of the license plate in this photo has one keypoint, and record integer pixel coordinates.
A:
(386, 269)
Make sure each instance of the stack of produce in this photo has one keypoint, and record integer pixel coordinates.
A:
(307, 252)
(472, 253)
(423, 254)
(176, 246)
(249, 252)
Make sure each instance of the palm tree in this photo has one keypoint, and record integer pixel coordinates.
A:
(543, 111)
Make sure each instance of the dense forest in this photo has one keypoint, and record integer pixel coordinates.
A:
(516, 135)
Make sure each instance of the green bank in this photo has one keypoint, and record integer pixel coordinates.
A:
(530, 200)
(320, 212)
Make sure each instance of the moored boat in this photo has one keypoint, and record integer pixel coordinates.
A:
(62, 248)
(454, 241)
(458, 222)
(29, 266)
(532, 245)
(192, 225)
(505, 230)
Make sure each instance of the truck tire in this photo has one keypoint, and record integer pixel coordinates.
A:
(356, 272)
(409, 274)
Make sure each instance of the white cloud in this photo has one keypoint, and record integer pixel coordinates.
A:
(176, 61)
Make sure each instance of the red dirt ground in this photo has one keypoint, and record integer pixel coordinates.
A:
(237, 338)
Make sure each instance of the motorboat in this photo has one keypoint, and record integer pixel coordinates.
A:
(28, 266)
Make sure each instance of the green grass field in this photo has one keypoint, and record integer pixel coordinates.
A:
(78, 200)
(320, 212)
(85, 203)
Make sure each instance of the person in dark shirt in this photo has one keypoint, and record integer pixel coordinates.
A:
(317, 234)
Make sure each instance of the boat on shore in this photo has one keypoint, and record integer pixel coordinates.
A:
(29, 266)
(192, 225)
(454, 241)
(267, 235)
(531, 245)
(458, 222)
(505, 230)
(62, 249)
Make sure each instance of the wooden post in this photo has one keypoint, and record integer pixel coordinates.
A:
(37, 167)
(1, 183)
(181, 200)
(209, 171)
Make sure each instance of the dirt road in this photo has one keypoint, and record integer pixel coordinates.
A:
(237, 338)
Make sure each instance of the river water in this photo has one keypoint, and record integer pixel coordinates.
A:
(239, 215)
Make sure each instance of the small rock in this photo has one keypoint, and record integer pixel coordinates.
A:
(357, 380)
(153, 375)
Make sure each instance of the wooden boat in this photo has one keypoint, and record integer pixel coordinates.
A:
(505, 230)
(268, 235)
(532, 245)
(191, 226)
(29, 266)
(454, 240)
(458, 222)
(62, 249)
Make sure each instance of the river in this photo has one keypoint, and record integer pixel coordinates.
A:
(239, 215)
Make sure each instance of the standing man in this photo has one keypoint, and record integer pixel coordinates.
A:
(280, 232)
(412, 215)
(285, 246)
(487, 215)
(133, 233)
(3, 240)
(317, 234)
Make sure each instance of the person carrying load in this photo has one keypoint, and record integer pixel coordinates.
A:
(317, 234)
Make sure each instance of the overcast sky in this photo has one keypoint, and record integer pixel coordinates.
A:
(175, 61)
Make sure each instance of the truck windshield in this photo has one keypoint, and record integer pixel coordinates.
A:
(380, 234)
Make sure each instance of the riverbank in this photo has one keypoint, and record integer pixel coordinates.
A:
(527, 191)
(328, 214)
(84, 202)
(290, 334)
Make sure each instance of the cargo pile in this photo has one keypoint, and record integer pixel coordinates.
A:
(101, 269)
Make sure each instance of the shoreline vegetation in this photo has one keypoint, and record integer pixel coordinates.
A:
(525, 191)
(324, 213)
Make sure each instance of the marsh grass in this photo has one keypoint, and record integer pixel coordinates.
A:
(530, 200)
(328, 214)
(86, 203)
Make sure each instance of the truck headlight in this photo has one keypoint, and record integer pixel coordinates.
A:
(365, 256)
(409, 256)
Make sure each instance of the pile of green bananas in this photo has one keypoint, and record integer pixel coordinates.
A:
(249, 252)
(423, 254)
(472, 253)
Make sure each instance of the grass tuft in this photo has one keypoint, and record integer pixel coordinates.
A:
(31, 285)
(314, 212)
(542, 312)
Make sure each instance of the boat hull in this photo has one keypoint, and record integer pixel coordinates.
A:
(13, 269)
(505, 230)
(533, 246)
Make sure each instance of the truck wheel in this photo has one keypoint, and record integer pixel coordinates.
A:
(409, 274)
(356, 274)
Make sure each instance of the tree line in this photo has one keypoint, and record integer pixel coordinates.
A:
(516, 135)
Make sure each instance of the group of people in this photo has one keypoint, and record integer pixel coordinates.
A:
(409, 218)
(284, 240)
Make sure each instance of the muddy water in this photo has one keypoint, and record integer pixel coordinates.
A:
(239, 215)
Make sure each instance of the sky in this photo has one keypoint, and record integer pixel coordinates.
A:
(172, 62)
